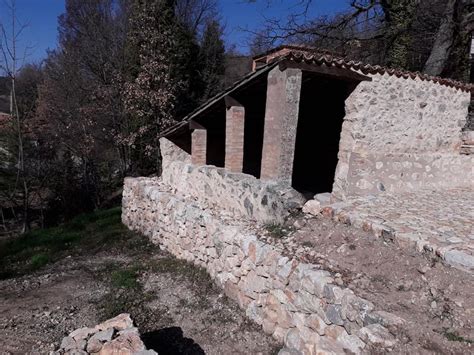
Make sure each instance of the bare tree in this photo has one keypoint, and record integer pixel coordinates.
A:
(458, 17)
(194, 14)
(420, 35)
(11, 64)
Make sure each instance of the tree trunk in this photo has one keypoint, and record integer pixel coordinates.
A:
(443, 42)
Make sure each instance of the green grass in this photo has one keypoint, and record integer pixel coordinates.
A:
(38, 260)
(86, 233)
(126, 278)
(182, 268)
(278, 230)
(452, 336)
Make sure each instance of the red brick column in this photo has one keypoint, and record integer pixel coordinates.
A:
(199, 146)
(281, 120)
(234, 138)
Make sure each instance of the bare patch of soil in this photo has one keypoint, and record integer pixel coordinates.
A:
(175, 305)
(435, 300)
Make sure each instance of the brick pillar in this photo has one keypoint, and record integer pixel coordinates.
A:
(234, 138)
(281, 120)
(198, 146)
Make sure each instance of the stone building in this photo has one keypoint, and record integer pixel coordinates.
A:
(319, 123)
(305, 123)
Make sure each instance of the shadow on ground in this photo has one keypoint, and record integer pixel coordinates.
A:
(170, 341)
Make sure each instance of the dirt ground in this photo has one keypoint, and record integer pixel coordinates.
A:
(176, 307)
(435, 300)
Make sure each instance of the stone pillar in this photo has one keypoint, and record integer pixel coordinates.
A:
(198, 146)
(234, 137)
(281, 121)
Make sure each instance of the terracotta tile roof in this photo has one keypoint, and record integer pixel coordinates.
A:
(313, 56)
(248, 78)
(332, 60)
(296, 48)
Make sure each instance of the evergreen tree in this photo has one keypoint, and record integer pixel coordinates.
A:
(151, 95)
(212, 60)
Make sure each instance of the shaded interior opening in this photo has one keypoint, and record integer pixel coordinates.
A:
(215, 148)
(253, 98)
(182, 139)
(321, 114)
(215, 145)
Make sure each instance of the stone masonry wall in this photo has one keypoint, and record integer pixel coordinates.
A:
(402, 134)
(296, 302)
(235, 194)
(171, 152)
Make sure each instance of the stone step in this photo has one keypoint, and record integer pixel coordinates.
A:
(467, 149)
(467, 138)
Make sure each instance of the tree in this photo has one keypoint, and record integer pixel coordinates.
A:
(81, 104)
(151, 95)
(11, 65)
(453, 36)
(419, 35)
(212, 60)
(195, 14)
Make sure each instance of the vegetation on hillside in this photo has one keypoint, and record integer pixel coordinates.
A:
(90, 113)
(125, 70)
(91, 233)
(430, 36)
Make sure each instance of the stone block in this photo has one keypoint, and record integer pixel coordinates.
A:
(324, 198)
(390, 321)
(377, 336)
(293, 340)
(348, 342)
(333, 314)
(314, 281)
(328, 347)
(82, 333)
(312, 207)
(316, 323)
(280, 333)
(286, 351)
(120, 322)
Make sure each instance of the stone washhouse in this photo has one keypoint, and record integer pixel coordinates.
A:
(306, 129)
(322, 124)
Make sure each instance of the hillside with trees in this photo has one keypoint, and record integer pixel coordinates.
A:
(124, 70)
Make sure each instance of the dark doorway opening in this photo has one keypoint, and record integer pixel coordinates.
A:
(215, 146)
(321, 114)
(253, 98)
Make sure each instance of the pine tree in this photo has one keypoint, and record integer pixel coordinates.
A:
(212, 60)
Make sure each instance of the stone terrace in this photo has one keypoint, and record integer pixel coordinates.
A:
(440, 222)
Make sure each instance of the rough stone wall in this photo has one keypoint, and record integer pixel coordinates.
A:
(171, 152)
(298, 303)
(235, 194)
(401, 134)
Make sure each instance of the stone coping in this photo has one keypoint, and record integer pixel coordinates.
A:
(435, 222)
(237, 194)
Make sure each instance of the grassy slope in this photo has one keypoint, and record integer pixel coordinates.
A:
(88, 233)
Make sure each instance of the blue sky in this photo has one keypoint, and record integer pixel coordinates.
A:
(41, 15)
